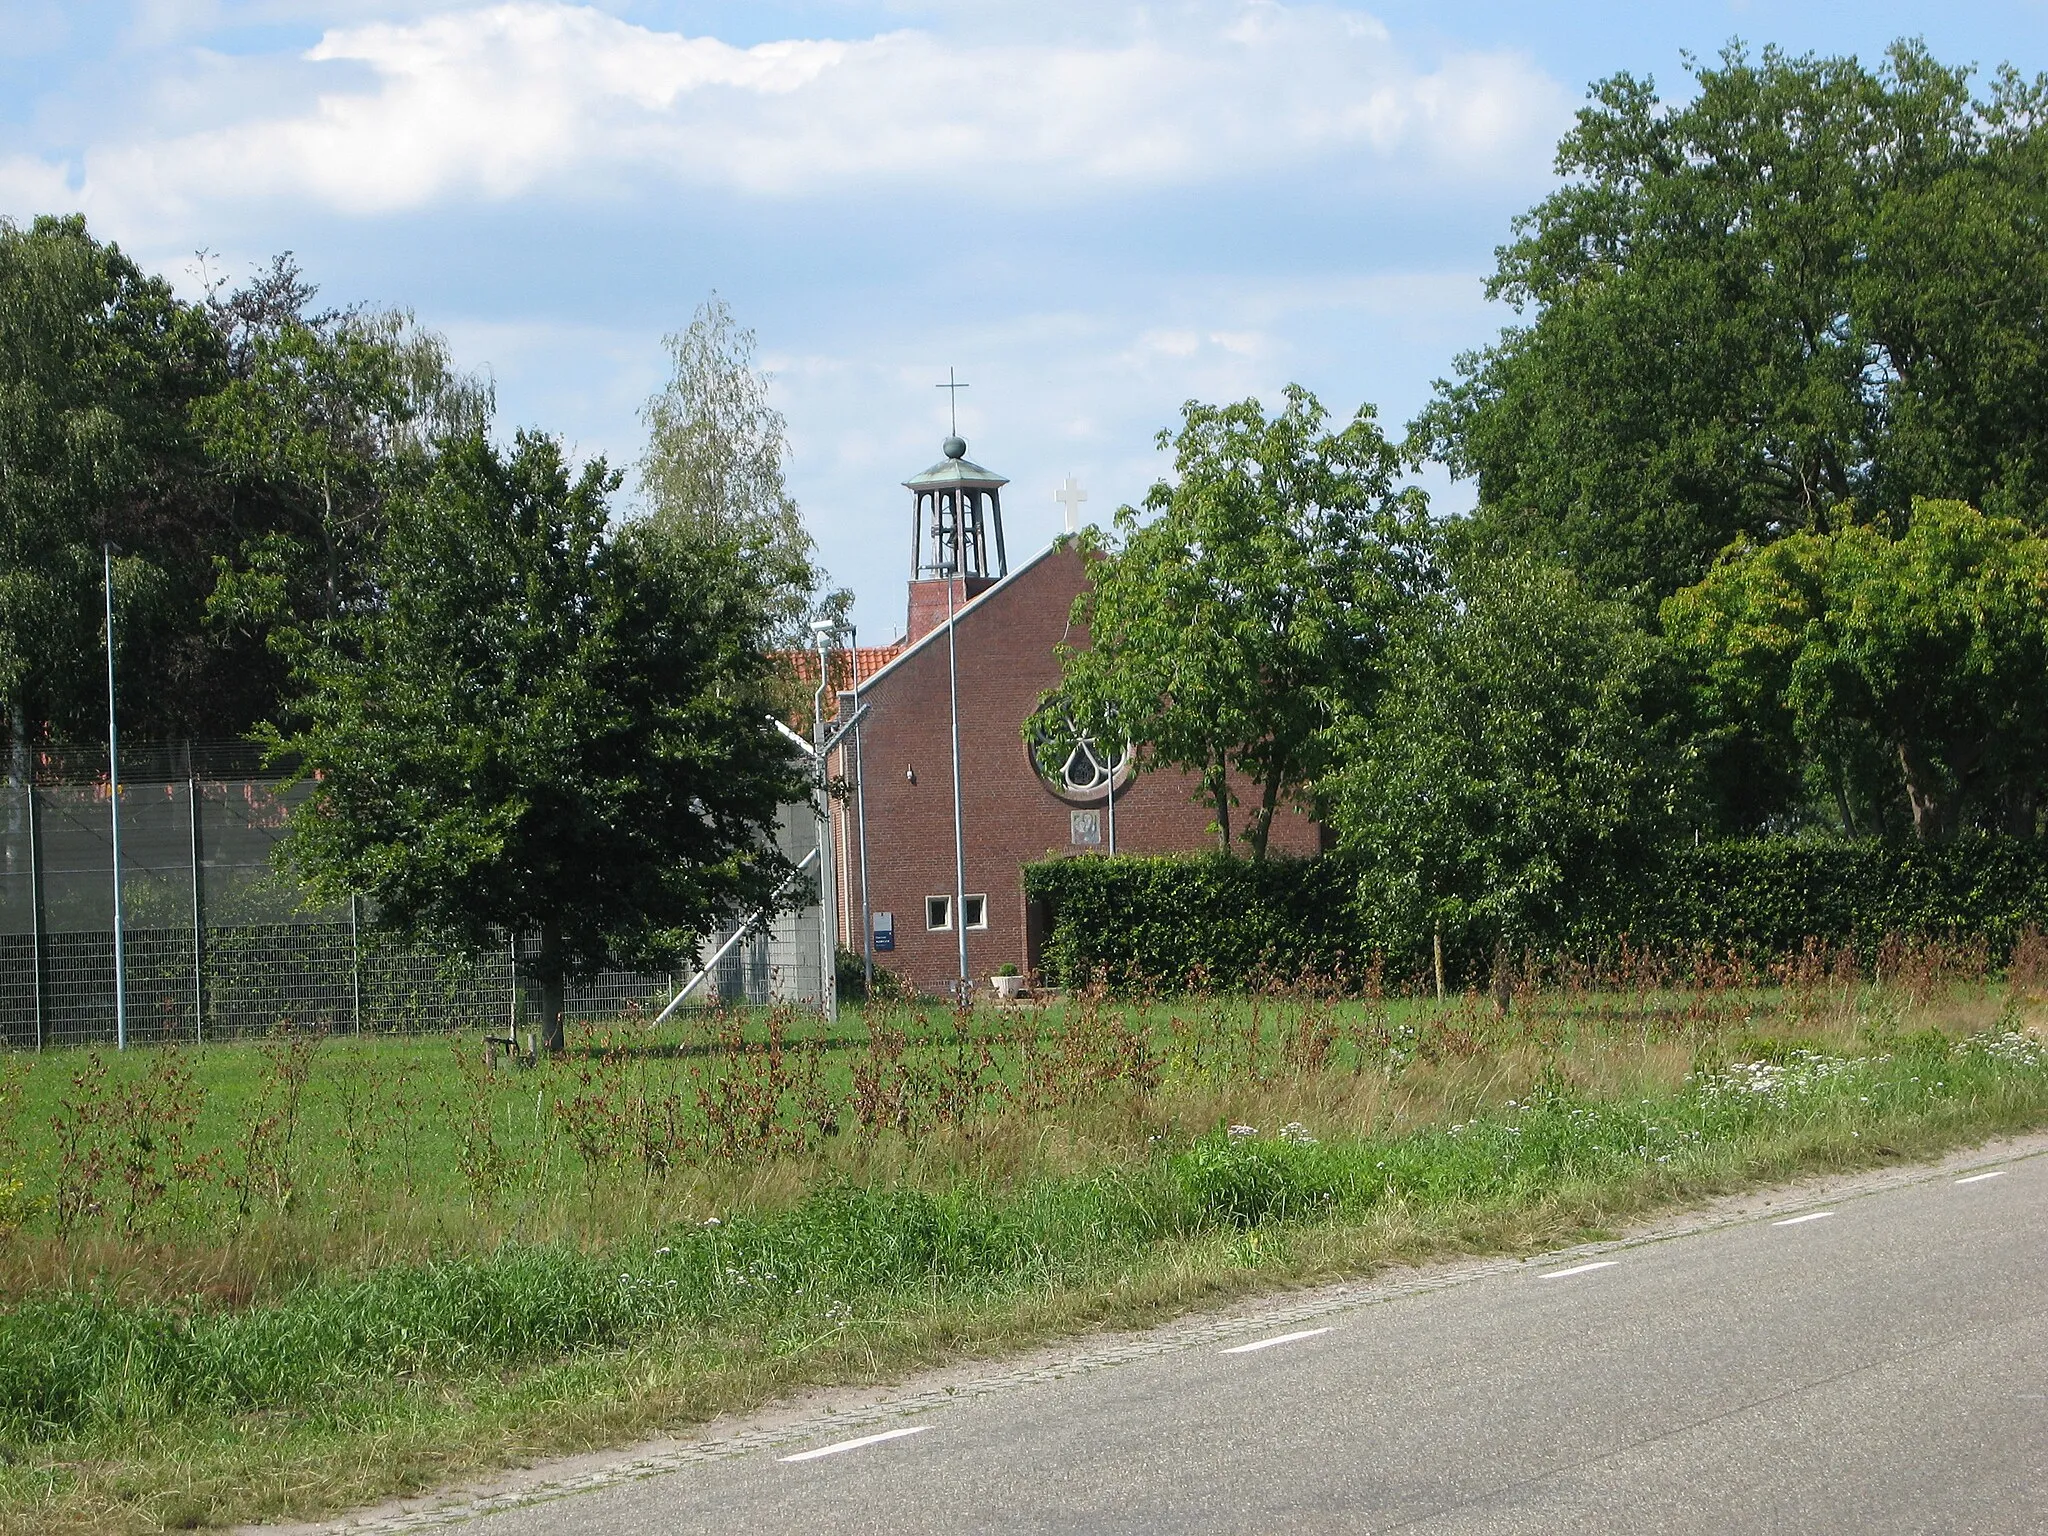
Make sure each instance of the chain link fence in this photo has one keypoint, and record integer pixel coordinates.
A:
(217, 942)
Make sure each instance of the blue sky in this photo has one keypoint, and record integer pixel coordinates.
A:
(1094, 211)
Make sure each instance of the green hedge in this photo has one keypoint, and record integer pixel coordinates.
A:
(1205, 920)
(1193, 921)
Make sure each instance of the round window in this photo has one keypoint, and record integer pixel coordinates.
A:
(1085, 770)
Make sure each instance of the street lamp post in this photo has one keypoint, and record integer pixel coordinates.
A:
(828, 905)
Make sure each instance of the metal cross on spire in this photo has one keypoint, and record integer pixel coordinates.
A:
(953, 399)
(1071, 496)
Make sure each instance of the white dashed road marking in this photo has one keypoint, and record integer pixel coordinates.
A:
(1285, 1338)
(1978, 1178)
(1793, 1221)
(1579, 1269)
(854, 1445)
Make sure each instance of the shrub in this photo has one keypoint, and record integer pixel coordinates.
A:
(850, 969)
(1188, 922)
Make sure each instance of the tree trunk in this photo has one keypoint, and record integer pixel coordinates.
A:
(1216, 780)
(1261, 828)
(1838, 780)
(1831, 465)
(1930, 813)
(548, 976)
(2022, 811)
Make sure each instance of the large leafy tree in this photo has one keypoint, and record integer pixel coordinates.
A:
(1905, 674)
(712, 471)
(1518, 757)
(545, 725)
(1248, 600)
(324, 416)
(100, 365)
(1810, 283)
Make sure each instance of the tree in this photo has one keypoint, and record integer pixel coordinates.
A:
(99, 367)
(1517, 757)
(1898, 670)
(1225, 632)
(1810, 284)
(712, 471)
(324, 417)
(545, 725)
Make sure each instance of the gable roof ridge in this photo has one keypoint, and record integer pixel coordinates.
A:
(939, 629)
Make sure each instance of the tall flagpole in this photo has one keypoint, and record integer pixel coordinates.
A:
(114, 814)
(1112, 804)
(860, 811)
(959, 839)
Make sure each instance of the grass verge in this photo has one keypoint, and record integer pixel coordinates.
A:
(138, 1413)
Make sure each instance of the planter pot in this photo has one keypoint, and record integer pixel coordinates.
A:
(1008, 988)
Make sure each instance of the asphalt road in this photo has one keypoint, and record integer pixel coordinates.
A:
(1880, 1364)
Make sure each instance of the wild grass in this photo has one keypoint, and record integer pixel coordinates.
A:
(261, 1279)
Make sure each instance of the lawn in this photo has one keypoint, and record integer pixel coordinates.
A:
(271, 1278)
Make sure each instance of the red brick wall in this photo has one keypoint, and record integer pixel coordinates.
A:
(1005, 659)
(928, 600)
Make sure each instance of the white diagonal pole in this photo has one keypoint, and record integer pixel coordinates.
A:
(747, 926)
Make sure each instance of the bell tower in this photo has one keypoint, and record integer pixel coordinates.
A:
(956, 508)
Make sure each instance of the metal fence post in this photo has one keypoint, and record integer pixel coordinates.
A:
(198, 911)
(355, 957)
(114, 818)
(35, 912)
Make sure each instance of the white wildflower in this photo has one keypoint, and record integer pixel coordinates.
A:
(2011, 1047)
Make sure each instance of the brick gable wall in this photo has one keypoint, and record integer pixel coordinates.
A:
(1005, 644)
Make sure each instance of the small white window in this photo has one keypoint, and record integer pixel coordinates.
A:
(938, 912)
(976, 910)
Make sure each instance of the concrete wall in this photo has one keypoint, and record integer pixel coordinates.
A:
(784, 965)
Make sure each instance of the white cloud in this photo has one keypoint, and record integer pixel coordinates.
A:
(29, 185)
(516, 98)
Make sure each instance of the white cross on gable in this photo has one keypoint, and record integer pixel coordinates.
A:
(1071, 496)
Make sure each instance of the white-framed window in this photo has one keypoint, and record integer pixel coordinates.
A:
(938, 913)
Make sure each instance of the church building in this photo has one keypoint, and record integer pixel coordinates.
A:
(947, 707)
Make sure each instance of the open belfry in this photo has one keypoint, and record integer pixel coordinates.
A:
(953, 801)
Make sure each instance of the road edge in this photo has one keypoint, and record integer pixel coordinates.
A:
(824, 1413)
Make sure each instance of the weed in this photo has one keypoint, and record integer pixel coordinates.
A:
(266, 1165)
(147, 1126)
(367, 1109)
(479, 1153)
